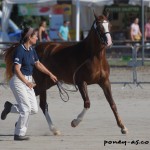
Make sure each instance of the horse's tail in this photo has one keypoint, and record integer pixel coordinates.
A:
(9, 61)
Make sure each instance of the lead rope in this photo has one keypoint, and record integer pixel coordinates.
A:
(63, 91)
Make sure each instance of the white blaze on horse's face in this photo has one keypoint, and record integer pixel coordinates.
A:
(105, 24)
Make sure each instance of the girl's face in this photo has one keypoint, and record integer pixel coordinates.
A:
(44, 24)
(33, 38)
(136, 20)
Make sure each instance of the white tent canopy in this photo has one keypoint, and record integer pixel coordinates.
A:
(135, 2)
(94, 2)
(7, 7)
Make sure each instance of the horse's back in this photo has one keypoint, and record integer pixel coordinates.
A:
(51, 47)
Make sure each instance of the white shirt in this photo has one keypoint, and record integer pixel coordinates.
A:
(135, 29)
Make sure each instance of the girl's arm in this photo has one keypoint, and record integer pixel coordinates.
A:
(40, 34)
(43, 69)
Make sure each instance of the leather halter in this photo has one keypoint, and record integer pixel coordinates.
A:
(101, 36)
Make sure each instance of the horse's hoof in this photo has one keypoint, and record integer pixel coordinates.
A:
(124, 130)
(55, 131)
(74, 123)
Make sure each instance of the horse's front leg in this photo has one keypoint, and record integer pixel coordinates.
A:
(83, 90)
(44, 107)
(105, 85)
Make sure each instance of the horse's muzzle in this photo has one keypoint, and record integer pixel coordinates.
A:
(109, 40)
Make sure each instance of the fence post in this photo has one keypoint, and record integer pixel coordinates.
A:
(134, 60)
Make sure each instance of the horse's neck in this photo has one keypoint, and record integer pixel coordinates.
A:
(95, 48)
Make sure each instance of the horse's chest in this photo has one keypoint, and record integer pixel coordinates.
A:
(98, 70)
(99, 73)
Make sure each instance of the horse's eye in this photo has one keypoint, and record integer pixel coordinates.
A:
(98, 23)
(101, 26)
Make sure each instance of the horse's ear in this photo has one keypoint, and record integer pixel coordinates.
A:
(95, 14)
(106, 13)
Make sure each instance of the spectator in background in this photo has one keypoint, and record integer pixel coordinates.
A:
(63, 32)
(147, 30)
(135, 32)
(42, 33)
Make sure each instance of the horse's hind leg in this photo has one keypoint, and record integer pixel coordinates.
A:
(83, 90)
(44, 107)
(105, 85)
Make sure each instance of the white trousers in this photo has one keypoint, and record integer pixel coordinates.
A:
(26, 103)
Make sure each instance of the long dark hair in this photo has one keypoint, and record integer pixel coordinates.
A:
(9, 61)
(9, 52)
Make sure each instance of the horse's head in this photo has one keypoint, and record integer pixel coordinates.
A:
(101, 26)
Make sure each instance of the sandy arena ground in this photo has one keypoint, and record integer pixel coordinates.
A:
(98, 129)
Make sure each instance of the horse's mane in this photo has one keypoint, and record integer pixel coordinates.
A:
(8, 60)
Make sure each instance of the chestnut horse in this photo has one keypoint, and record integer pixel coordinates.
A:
(81, 64)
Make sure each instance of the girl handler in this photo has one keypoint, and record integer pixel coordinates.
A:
(24, 59)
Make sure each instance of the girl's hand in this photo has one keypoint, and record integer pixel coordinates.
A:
(30, 85)
(54, 78)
